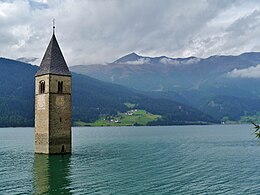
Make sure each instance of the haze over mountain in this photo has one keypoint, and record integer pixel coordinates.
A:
(223, 86)
(91, 99)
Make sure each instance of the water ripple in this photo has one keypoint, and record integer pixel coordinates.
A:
(143, 160)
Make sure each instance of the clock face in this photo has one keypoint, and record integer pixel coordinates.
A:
(41, 102)
(60, 101)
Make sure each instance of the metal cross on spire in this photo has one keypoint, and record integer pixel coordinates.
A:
(53, 25)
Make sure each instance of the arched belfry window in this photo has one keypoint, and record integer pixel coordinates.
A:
(42, 87)
(60, 86)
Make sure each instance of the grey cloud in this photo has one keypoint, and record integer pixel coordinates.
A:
(97, 31)
(245, 24)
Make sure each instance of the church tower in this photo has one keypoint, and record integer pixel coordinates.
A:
(53, 103)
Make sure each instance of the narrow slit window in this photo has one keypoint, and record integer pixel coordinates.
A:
(42, 87)
(60, 86)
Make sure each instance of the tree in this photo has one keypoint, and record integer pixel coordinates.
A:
(257, 130)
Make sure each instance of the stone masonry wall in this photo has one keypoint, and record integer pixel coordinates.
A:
(53, 124)
(42, 116)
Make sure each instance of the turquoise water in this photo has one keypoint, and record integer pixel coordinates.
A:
(135, 160)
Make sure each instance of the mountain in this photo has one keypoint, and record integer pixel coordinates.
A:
(27, 60)
(128, 58)
(91, 99)
(193, 81)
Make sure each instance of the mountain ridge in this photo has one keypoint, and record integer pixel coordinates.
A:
(198, 80)
(91, 99)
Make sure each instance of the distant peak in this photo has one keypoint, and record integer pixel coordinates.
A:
(134, 59)
(133, 54)
(129, 57)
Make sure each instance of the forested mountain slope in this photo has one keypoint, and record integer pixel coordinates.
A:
(91, 99)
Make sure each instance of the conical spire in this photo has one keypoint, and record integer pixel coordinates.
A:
(53, 61)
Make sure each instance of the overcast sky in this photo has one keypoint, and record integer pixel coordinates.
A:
(100, 31)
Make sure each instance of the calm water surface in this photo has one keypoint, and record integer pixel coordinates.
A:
(135, 160)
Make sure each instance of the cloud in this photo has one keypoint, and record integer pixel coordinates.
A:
(179, 62)
(251, 72)
(38, 4)
(232, 32)
(40, 1)
(169, 61)
(140, 61)
(27, 60)
(97, 31)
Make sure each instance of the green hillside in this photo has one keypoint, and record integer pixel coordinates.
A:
(92, 99)
(129, 118)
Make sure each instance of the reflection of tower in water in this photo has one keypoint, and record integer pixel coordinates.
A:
(51, 174)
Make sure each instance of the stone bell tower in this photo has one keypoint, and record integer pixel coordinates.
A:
(53, 103)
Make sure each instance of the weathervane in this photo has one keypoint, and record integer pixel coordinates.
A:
(53, 25)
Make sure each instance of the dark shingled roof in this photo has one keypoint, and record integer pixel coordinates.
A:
(53, 61)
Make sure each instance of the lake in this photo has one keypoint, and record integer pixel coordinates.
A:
(217, 159)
